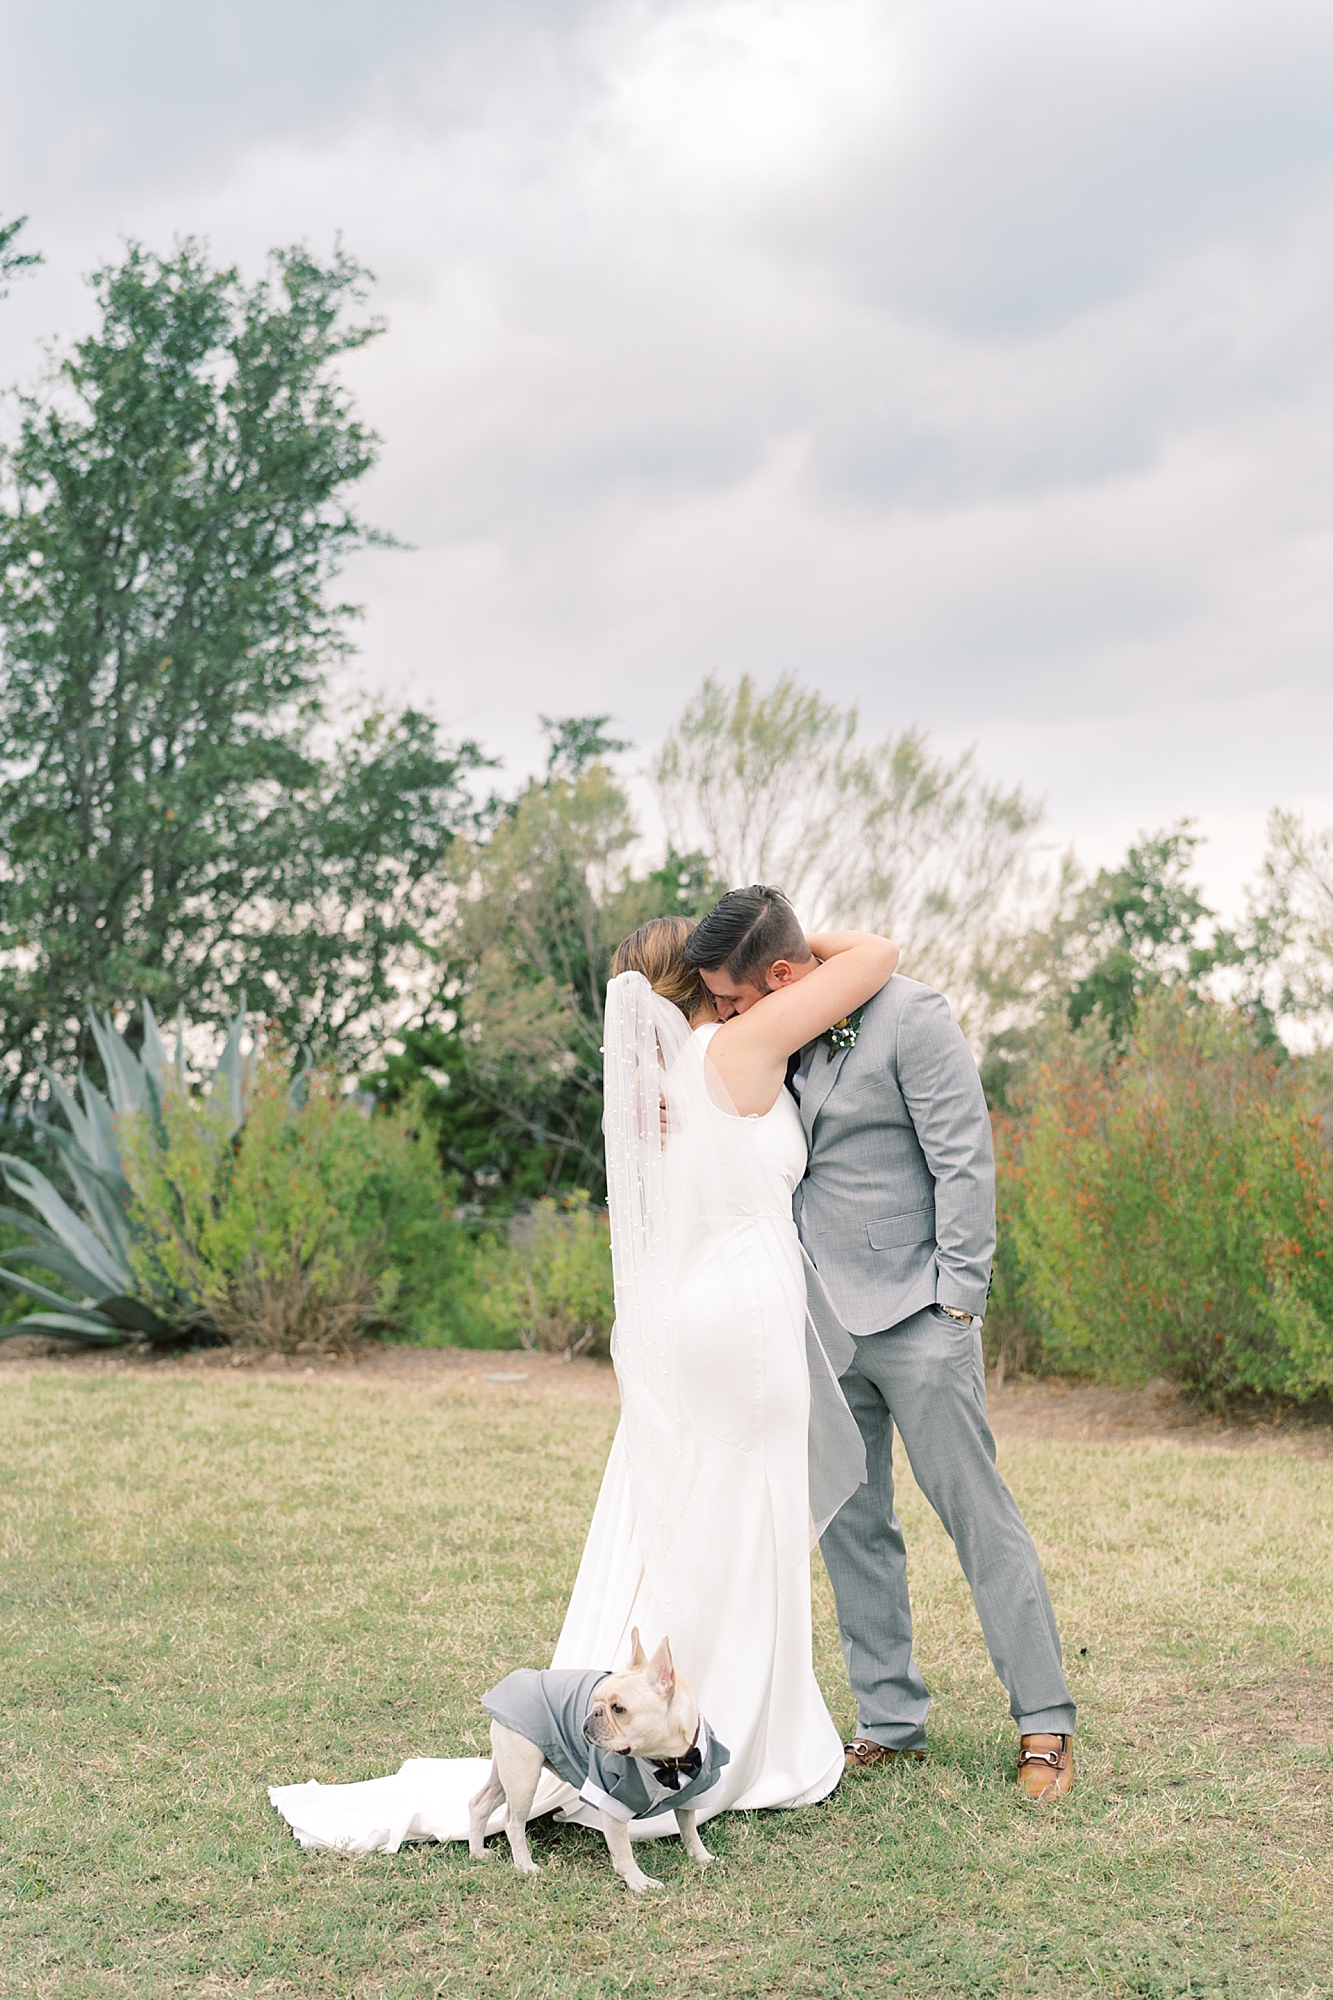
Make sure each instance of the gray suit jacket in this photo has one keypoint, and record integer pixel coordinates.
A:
(897, 1208)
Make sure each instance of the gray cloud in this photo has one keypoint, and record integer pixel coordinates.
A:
(108, 101)
(1059, 168)
(971, 363)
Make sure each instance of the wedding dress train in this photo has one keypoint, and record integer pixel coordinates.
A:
(702, 1527)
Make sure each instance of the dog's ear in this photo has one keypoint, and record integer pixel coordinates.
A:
(662, 1670)
(638, 1658)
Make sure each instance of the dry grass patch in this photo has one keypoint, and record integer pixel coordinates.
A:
(216, 1579)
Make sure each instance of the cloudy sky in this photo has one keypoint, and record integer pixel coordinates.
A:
(971, 362)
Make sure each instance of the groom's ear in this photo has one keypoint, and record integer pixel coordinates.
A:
(786, 971)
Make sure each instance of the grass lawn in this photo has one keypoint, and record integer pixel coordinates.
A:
(217, 1580)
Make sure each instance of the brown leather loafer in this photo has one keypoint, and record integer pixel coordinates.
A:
(860, 1754)
(1045, 1766)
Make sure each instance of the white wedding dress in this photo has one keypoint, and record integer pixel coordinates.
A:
(702, 1528)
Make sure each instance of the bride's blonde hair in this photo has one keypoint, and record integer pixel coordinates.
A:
(657, 950)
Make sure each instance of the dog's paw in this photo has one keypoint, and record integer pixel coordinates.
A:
(637, 1883)
(702, 1856)
(528, 1867)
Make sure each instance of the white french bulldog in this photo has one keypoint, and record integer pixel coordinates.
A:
(648, 1712)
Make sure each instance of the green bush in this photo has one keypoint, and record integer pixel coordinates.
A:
(548, 1288)
(1170, 1213)
(310, 1225)
(88, 1248)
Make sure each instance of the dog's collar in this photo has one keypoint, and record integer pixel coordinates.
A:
(669, 1771)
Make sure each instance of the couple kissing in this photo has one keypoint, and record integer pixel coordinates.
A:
(802, 1197)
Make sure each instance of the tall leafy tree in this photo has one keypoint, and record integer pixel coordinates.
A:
(1139, 927)
(513, 1045)
(1107, 943)
(1291, 922)
(172, 819)
(780, 786)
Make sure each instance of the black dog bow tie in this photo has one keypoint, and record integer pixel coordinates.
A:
(675, 1770)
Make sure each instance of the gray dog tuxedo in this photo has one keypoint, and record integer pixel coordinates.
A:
(550, 1706)
(897, 1213)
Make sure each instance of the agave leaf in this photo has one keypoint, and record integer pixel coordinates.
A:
(79, 1122)
(53, 1256)
(124, 1074)
(130, 1314)
(111, 1178)
(97, 1332)
(152, 1066)
(230, 1071)
(180, 1043)
(32, 1185)
(154, 1057)
(18, 1220)
(136, 1317)
(105, 1196)
(48, 1250)
(32, 1290)
(105, 1150)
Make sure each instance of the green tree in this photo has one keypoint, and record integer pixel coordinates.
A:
(14, 262)
(172, 820)
(1291, 922)
(1140, 927)
(512, 1046)
(780, 787)
(1103, 945)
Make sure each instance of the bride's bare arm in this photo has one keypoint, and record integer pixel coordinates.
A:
(750, 1051)
(829, 944)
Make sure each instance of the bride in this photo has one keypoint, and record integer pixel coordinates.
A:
(735, 1445)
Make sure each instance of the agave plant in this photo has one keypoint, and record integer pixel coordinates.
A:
(92, 1252)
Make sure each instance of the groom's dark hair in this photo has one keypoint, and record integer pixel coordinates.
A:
(749, 930)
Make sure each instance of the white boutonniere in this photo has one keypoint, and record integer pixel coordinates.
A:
(843, 1033)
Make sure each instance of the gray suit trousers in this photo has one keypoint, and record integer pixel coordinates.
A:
(926, 1375)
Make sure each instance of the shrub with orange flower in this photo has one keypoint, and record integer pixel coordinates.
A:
(1171, 1212)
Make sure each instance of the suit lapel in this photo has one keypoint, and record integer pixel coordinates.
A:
(823, 1075)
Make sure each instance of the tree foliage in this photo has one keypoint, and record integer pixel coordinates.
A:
(513, 1045)
(1291, 916)
(1139, 927)
(172, 819)
(1103, 945)
(13, 262)
(780, 788)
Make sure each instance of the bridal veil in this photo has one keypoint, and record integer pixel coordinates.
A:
(685, 1177)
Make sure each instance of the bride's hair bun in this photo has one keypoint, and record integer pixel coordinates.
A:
(657, 950)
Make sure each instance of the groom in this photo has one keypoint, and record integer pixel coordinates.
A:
(897, 1212)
